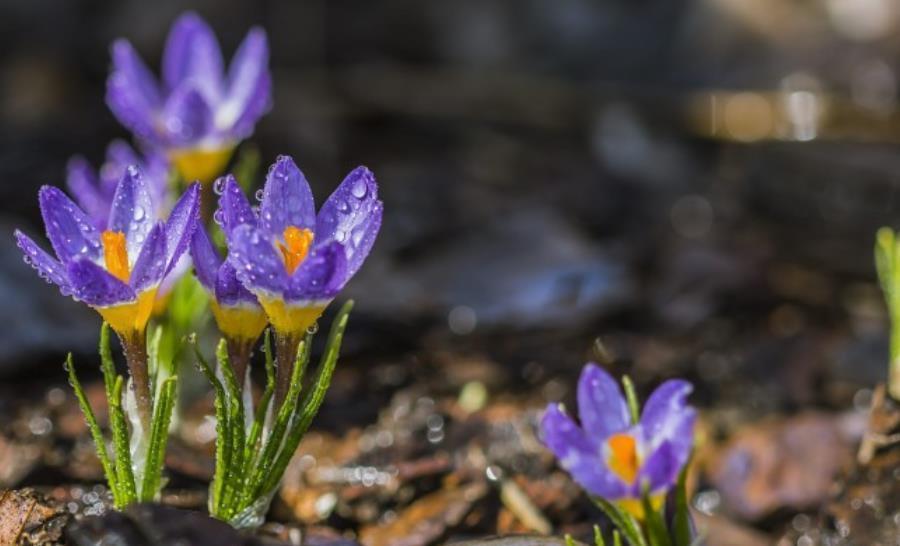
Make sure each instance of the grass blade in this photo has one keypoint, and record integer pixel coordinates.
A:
(119, 425)
(159, 435)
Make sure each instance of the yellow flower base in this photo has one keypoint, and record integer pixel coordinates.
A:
(292, 319)
(240, 322)
(636, 508)
(129, 317)
(200, 163)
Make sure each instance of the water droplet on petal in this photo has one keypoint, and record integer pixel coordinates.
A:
(359, 189)
(139, 213)
(259, 195)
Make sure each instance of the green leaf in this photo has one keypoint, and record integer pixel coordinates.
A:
(617, 538)
(598, 537)
(107, 365)
(93, 427)
(634, 407)
(314, 398)
(119, 425)
(624, 522)
(656, 527)
(159, 435)
(223, 436)
(235, 402)
(569, 540)
(682, 522)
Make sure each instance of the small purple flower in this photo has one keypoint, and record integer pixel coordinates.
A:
(94, 190)
(198, 112)
(116, 271)
(613, 458)
(292, 259)
(237, 311)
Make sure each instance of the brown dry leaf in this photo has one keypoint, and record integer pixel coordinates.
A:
(26, 517)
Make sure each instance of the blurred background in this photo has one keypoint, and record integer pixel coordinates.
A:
(677, 188)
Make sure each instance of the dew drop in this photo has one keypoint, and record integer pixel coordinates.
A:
(219, 217)
(219, 186)
(359, 189)
(139, 213)
(259, 195)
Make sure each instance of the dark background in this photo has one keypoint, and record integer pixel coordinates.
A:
(545, 176)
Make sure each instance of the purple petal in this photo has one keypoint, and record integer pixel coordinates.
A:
(666, 416)
(95, 286)
(321, 275)
(47, 267)
(352, 217)
(660, 469)
(192, 53)
(181, 224)
(259, 266)
(84, 185)
(150, 266)
(233, 204)
(69, 229)
(601, 406)
(132, 210)
(229, 290)
(206, 259)
(187, 116)
(287, 199)
(578, 455)
(249, 86)
(132, 92)
(120, 154)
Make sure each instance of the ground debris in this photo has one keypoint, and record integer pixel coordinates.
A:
(29, 518)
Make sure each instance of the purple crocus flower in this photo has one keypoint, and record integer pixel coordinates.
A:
(94, 190)
(613, 458)
(198, 112)
(238, 314)
(293, 260)
(117, 271)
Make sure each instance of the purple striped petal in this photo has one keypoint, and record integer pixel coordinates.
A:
(352, 217)
(192, 53)
(249, 86)
(206, 259)
(234, 208)
(667, 417)
(150, 266)
(132, 210)
(659, 470)
(69, 229)
(95, 286)
(84, 185)
(578, 455)
(187, 115)
(601, 406)
(132, 92)
(181, 224)
(320, 276)
(259, 266)
(229, 290)
(287, 200)
(47, 267)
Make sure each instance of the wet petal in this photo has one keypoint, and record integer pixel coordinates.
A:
(181, 224)
(258, 265)
(47, 267)
(320, 276)
(187, 116)
(249, 93)
(578, 455)
(666, 416)
(95, 286)
(150, 265)
(228, 288)
(132, 210)
(69, 229)
(132, 92)
(84, 185)
(206, 259)
(287, 199)
(192, 53)
(601, 406)
(234, 207)
(352, 217)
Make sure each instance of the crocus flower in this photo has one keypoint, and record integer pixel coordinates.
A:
(238, 314)
(197, 114)
(613, 458)
(117, 271)
(293, 260)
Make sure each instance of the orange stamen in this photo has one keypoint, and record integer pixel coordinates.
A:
(115, 254)
(623, 457)
(295, 248)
